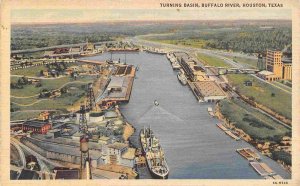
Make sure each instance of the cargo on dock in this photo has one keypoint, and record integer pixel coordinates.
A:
(244, 153)
(252, 153)
(249, 153)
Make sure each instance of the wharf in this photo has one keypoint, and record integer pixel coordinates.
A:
(229, 133)
(193, 88)
(221, 126)
(252, 153)
(124, 95)
(244, 153)
(248, 154)
(261, 168)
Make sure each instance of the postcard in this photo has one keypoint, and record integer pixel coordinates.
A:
(158, 92)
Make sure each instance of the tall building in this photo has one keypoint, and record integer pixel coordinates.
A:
(287, 69)
(274, 63)
(261, 61)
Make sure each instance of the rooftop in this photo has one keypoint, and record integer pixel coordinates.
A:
(265, 73)
(67, 174)
(117, 145)
(116, 81)
(28, 175)
(129, 154)
(35, 123)
(286, 60)
(209, 88)
(104, 138)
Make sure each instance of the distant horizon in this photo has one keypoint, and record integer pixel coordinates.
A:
(37, 16)
(124, 21)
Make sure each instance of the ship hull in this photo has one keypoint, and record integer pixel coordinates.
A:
(153, 174)
(181, 81)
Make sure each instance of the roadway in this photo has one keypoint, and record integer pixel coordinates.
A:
(37, 155)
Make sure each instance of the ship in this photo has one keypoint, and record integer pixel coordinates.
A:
(154, 154)
(182, 78)
(175, 65)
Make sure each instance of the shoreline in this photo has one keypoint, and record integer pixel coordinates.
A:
(243, 135)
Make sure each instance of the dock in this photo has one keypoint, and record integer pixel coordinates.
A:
(252, 153)
(221, 126)
(229, 133)
(247, 152)
(261, 168)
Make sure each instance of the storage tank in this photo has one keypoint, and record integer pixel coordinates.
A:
(84, 143)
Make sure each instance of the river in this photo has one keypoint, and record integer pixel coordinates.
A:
(194, 146)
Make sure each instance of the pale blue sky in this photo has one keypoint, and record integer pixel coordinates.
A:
(94, 15)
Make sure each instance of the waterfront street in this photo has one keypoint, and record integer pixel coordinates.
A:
(195, 147)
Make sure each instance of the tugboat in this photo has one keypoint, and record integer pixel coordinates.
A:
(182, 78)
(154, 154)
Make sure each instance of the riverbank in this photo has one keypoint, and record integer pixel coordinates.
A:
(269, 145)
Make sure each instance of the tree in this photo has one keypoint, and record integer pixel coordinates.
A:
(273, 94)
(251, 98)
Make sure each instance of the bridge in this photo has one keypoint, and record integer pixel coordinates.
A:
(216, 71)
(20, 151)
(37, 155)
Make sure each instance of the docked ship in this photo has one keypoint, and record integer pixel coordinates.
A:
(175, 65)
(154, 154)
(182, 77)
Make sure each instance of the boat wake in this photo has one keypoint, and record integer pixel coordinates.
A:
(157, 112)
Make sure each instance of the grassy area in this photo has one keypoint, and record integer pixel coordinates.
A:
(23, 115)
(60, 103)
(262, 92)
(251, 121)
(50, 84)
(32, 71)
(247, 61)
(195, 43)
(213, 61)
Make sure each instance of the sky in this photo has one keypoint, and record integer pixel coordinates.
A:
(97, 15)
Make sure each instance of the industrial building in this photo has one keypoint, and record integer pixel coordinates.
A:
(119, 89)
(261, 62)
(193, 71)
(267, 75)
(207, 91)
(274, 67)
(287, 69)
(67, 150)
(36, 126)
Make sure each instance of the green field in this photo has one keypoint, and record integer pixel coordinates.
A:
(50, 84)
(32, 71)
(261, 92)
(60, 103)
(213, 61)
(25, 115)
(195, 43)
(253, 122)
(250, 62)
